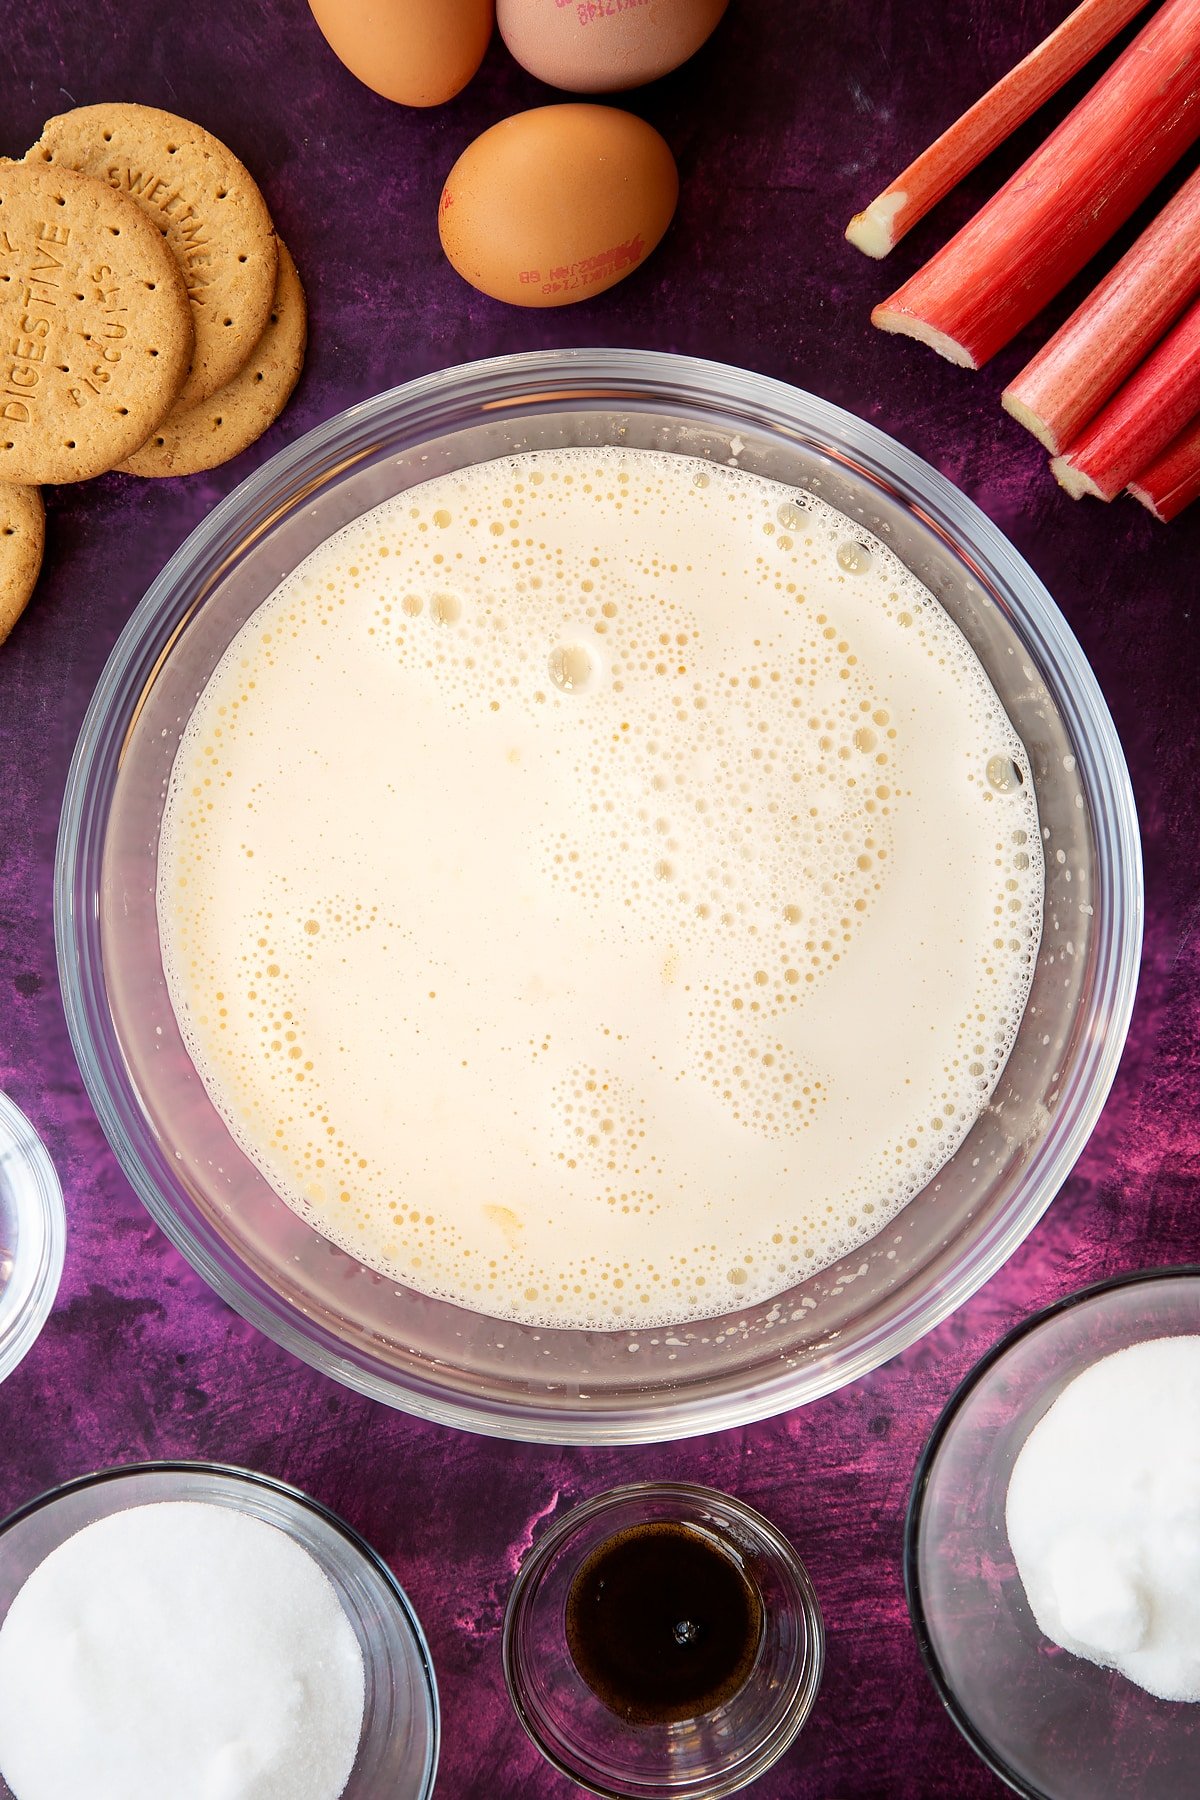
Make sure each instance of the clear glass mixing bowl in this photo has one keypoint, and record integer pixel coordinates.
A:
(438, 1359)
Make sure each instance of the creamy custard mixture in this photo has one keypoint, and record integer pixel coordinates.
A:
(599, 887)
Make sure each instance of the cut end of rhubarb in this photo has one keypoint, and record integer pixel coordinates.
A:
(1025, 415)
(888, 318)
(1074, 480)
(1148, 501)
(873, 231)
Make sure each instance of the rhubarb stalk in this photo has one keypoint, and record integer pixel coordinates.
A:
(1157, 401)
(1063, 388)
(1064, 202)
(1172, 481)
(987, 124)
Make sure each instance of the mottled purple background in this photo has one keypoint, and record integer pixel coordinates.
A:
(794, 115)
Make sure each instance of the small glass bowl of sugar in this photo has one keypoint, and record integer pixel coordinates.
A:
(1052, 1556)
(195, 1630)
(32, 1235)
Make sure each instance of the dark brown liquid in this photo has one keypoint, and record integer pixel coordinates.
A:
(662, 1624)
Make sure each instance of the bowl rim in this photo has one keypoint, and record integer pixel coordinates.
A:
(509, 382)
(297, 1498)
(41, 1203)
(989, 1753)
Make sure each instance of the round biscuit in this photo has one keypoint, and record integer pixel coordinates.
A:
(200, 437)
(22, 539)
(207, 206)
(95, 328)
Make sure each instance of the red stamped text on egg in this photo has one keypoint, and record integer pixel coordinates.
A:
(587, 270)
(588, 10)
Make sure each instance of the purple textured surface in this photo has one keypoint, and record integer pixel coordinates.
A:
(794, 115)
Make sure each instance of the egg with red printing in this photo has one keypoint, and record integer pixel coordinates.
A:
(599, 46)
(418, 52)
(555, 205)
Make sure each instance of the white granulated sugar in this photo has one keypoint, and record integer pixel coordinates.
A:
(179, 1651)
(1103, 1516)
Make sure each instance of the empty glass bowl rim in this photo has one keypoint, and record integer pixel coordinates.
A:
(988, 1752)
(39, 1200)
(298, 1499)
(491, 390)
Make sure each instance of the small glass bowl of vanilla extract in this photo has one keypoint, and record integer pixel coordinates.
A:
(663, 1640)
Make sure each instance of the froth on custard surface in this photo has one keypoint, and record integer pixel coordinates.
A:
(599, 887)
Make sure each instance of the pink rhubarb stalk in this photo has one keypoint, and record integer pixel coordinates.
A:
(1064, 202)
(1157, 401)
(987, 124)
(1060, 392)
(1172, 481)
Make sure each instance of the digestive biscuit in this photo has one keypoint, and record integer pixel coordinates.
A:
(207, 207)
(95, 328)
(203, 436)
(22, 538)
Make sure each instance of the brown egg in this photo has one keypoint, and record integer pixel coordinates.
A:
(557, 204)
(419, 52)
(598, 46)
